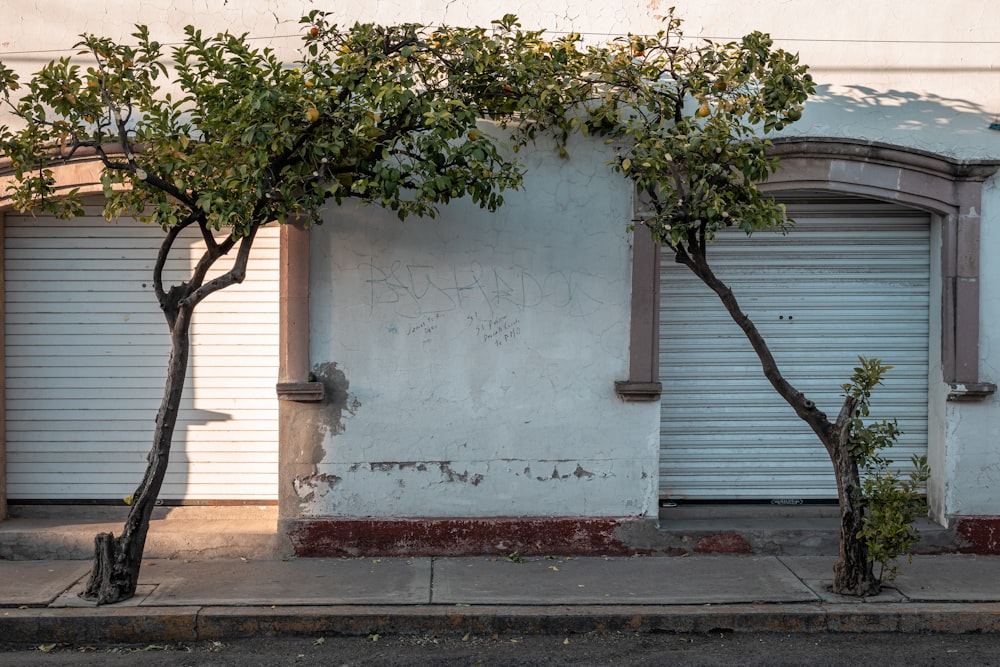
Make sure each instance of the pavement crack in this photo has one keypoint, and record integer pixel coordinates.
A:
(430, 589)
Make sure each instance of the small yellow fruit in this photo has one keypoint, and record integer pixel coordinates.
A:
(309, 84)
(312, 114)
(703, 111)
(473, 135)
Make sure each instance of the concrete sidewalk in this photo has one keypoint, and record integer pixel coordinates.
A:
(189, 600)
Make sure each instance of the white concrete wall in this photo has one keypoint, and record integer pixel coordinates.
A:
(481, 351)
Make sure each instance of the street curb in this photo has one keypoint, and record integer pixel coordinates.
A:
(188, 624)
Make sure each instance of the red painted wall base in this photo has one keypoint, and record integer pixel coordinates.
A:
(572, 536)
(535, 536)
(978, 535)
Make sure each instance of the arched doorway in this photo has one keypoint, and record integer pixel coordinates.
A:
(947, 189)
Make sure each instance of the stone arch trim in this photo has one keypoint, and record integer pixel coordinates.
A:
(946, 187)
(82, 173)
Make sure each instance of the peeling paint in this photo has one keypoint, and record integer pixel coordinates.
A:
(463, 477)
(308, 488)
(978, 535)
(448, 473)
(579, 472)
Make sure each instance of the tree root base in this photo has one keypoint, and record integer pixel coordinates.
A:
(112, 578)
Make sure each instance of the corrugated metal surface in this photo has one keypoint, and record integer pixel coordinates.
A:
(87, 348)
(844, 282)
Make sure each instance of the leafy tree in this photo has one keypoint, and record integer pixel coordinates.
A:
(690, 120)
(225, 138)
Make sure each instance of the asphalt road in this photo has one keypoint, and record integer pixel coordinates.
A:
(771, 650)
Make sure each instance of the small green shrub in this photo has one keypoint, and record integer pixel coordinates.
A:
(891, 502)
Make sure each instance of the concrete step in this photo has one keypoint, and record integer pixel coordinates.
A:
(191, 533)
(253, 534)
(778, 531)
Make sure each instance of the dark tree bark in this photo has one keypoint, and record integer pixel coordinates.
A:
(853, 573)
(117, 561)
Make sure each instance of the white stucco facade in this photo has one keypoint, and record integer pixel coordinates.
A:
(480, 350)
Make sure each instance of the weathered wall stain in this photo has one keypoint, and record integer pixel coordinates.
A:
(313, 425)
(338, 400)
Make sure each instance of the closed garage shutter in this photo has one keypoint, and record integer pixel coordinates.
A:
(851, 278)
(86, 352)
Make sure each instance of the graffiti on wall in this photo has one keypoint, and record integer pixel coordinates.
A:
(490, 300)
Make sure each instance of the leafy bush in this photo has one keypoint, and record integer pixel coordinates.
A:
(891, 502)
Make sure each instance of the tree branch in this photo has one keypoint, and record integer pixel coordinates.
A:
(235, 275)
(164, 253)
(804, 408)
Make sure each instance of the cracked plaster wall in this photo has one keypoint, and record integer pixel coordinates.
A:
(482, 350)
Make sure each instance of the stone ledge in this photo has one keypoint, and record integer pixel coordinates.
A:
(301, 392)
(971, 391)
(638, 392)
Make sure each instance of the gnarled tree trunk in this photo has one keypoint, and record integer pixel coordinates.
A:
(115, 573)
(853, 573)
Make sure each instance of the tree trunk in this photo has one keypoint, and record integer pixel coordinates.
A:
(115, 573)
(853, 573)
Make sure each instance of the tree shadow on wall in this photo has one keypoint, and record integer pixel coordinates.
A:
(950, 126)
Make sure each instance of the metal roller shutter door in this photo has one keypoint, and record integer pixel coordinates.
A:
(86, 349)
(848, 280)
